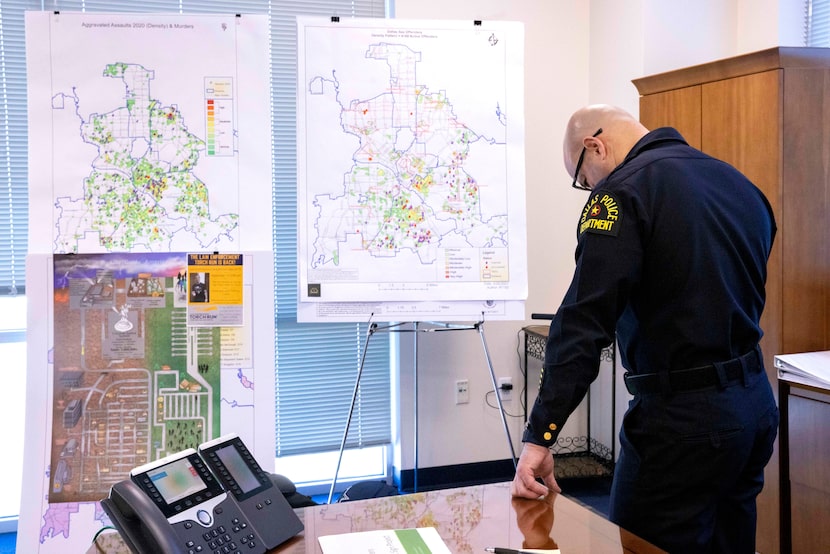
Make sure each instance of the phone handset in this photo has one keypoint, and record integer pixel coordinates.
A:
(143, 527)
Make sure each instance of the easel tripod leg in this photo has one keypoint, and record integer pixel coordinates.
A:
(351, 411)
(498, 396)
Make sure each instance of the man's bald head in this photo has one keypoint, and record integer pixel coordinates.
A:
(620, 132)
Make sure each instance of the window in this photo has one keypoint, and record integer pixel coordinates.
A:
(314, 361)
(817, 23)
(13, 407)
(320, 360)
(14, 214)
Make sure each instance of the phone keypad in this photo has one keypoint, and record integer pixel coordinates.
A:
(221, 541)
(231, 534)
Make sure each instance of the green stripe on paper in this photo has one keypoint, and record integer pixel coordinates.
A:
(412, 541)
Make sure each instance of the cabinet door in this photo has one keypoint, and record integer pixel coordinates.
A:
(742, 126)
(678, 108)
(805, 233)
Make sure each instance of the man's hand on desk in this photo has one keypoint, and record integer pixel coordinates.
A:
(535, 461)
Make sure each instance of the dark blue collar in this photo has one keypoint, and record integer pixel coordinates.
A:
(655, 138)
(652, 139)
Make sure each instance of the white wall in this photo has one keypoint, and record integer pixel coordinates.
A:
(576, 53)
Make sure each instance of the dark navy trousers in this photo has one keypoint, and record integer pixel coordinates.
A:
(691, 465)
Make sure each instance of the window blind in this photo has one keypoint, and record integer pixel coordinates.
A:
(316, 364)
(817, 23)
(14, 166)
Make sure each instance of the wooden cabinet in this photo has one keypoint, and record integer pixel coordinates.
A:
(768, 114)
(805, 451)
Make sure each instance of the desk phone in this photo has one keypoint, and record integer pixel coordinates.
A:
(215, 500)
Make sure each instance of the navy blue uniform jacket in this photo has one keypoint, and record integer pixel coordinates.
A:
(672, 256)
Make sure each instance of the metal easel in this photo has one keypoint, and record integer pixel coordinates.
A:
(430, 327)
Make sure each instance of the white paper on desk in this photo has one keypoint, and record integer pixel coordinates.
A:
(423, 540)
(809, 368)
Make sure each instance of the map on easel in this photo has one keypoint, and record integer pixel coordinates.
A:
(415, 208)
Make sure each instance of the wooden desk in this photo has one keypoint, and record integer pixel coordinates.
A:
(804, 483)
(468, 519)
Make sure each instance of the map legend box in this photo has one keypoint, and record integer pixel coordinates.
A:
(219, 119)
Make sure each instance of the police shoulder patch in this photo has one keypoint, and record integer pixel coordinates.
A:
(601, 215)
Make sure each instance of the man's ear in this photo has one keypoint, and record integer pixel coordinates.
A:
(587, 142)
(594, 146)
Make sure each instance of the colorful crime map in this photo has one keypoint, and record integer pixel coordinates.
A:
(143, 188)
(418, 193)
(143, 128)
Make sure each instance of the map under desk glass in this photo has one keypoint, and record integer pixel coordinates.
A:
(468, 519)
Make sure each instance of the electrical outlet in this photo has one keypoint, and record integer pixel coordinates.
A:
(462, 391)
(506, 388)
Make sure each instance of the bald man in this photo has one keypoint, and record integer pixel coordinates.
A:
(671, 261)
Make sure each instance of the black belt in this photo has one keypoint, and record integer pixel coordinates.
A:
(683, 380)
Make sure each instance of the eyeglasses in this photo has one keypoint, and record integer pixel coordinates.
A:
(576, 183)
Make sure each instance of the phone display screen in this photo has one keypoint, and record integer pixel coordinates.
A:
(176, 480)
(239, 470)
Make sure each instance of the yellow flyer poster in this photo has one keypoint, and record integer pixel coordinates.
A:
(214, 285)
